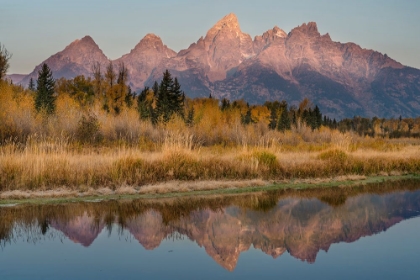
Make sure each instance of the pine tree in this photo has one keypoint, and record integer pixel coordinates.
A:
(155, 88)
(45, 99)
(247, 118)
(190, 117)
(317, 118)
(225, 104)
(294, 118)
(311, 119)
(170, 98)
(163, 103)
(31, 86)
(129, 97)
(273, 118)
(284, 121)
(177, 99)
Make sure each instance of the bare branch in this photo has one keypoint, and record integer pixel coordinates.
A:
(4, 61)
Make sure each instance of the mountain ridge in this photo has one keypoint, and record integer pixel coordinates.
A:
(344, 79)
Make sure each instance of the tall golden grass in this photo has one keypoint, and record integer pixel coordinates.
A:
(47, 163)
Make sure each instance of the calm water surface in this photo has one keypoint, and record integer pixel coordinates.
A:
(365, 233)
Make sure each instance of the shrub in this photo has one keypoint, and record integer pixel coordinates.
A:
(265, 158)
(88, 130)
(335, 155)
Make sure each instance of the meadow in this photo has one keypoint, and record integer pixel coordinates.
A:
(82, 149)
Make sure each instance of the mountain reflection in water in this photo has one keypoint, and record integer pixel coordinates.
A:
(299, 222)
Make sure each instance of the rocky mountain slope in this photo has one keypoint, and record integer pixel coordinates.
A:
(343, 79)
(144, 58)
(76, 59)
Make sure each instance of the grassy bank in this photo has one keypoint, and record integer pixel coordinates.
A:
(53, 163)
(322, 189)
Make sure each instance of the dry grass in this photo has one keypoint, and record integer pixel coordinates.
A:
(181, 186)
(159, 188)
(51, 164)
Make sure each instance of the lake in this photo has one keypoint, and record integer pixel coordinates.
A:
(366, 232)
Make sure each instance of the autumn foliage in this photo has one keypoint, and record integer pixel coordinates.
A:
(103, 134)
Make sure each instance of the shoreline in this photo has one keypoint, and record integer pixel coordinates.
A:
(180, 189)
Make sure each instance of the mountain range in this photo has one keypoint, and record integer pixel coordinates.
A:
(344, 80)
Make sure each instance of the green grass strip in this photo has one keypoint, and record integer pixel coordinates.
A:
(226, 191)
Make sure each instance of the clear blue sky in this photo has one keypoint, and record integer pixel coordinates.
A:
(33, 30)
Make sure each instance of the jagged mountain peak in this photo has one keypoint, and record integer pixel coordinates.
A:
(152, 37)
(228, 24)
(151, 41)
(76, 59)
(82, 49)
(279, 32)
(86, 41)
(311, 29)
(226, 46)
(262, 41)
(144, 58)
(230, 21)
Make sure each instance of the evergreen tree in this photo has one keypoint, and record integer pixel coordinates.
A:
(311, 119)
(399, 122)
(155, 88)
(305, 116)
(31, 86)
(190, 117)
(247, 118)
(177, 99)
(317, 118)
(225, 104)
(45, 99)
(294, 118)
(129, 97)
(273, 118)
(163, 99)
(334, 124)
(284, 121)
(170, 98)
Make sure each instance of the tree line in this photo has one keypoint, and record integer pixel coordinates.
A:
(165, 100)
